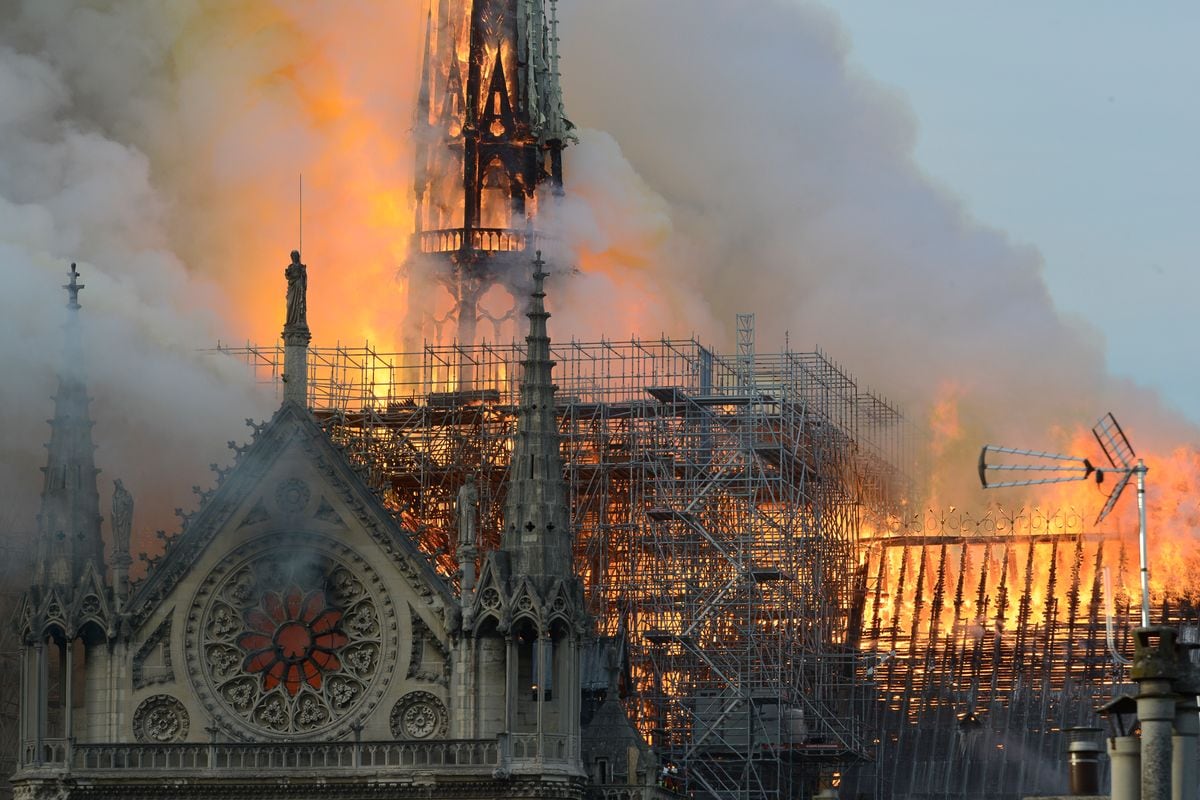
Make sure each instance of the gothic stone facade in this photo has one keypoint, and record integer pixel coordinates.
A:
(293, 643)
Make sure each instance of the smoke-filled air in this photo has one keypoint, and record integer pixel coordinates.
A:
(730, 159)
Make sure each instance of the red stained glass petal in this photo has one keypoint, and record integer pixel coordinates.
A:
(292, 681)
(260, 621)
(257, 662)
(312, 675)
(272, 676)
(313, 606)
(332, 640)
(274, 607)
(294, 600)
(326, 660)
(327, 621)
(253, 641)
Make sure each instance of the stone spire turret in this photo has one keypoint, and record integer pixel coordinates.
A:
(537, 530)
(68, 600)
(69, 522)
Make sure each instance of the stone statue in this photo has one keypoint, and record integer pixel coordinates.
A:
(468, 512)
(122, 516)
(297, 293)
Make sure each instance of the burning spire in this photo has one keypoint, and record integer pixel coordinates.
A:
(490, 132)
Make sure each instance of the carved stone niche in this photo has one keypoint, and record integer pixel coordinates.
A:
(152, 661)
(429, 659)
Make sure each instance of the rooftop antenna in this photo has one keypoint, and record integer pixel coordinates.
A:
(1058, 468)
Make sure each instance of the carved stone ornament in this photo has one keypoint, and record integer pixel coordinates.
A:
(292, 495)
(419, 715)
(160, 719)
(292, 636)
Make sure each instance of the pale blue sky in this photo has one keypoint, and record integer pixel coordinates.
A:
(1073, 126)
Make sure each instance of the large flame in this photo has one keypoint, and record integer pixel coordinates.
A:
(307, 94)
(1045, 578)
(254, 95)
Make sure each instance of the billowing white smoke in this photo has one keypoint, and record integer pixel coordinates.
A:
(159, 145)
(730, 160)
(71, 191)
(758, 171)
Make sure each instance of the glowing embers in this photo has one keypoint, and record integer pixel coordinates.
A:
(294, 640)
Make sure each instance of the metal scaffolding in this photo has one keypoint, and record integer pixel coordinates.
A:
(718, 503)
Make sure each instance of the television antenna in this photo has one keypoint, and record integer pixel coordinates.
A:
(1043, 468)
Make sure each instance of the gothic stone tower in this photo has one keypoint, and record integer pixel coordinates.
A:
(490, 132)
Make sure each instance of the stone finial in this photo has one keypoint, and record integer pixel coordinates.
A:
(73, 288)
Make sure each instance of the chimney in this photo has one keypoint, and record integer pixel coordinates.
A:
(1155, 670)
(1184, 773)
(1124, 749)
(1083, 760)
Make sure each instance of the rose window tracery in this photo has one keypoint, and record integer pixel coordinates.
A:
(295, 640)
(292, 636)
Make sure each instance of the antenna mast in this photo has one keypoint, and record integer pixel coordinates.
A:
(1044, 468)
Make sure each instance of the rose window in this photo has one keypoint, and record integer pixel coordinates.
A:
(293, 637)
(294, 640)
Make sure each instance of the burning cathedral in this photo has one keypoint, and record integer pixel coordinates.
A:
(293, 640)
(625, 570)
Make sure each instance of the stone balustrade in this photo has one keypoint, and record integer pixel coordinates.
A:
(472, 756)
(630, 792)
(546, 747)
(518, 751)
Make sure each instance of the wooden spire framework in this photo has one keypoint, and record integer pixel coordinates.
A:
(490, 130)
